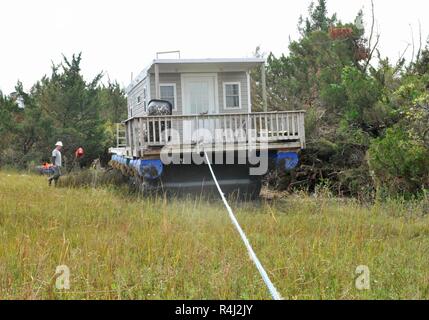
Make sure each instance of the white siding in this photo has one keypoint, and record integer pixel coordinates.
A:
(169, 78)
(136, 109)
(240, 77)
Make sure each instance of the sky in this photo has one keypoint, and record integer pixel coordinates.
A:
(121, 37)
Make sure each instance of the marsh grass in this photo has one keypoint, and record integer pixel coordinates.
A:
(92, 178)
(123, 247)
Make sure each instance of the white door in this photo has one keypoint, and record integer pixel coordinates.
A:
(199, 94)
(199, 98)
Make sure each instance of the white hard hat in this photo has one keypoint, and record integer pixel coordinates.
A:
(59, 143)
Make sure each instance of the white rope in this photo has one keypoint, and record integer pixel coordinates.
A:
(273, 291)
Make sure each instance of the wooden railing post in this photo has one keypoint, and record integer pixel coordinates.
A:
(135, 137)
(130, 136)
(141, 137)
(302, 131)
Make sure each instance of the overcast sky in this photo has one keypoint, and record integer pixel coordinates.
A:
(123, 36)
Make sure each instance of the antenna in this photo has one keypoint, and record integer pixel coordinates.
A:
(167, 52)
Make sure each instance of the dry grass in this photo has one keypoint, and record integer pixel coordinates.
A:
(92, 178)
(118, 247)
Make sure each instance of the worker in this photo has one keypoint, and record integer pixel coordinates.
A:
(79, 154)
(57, 163)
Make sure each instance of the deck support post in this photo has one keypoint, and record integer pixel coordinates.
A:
(264, 87)
(157, 93)
(117, 135)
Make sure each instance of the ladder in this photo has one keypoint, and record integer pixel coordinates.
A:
(121, 139)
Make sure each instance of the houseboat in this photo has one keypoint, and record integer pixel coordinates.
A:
(179, 110)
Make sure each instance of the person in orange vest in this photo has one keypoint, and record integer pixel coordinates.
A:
(79, 154)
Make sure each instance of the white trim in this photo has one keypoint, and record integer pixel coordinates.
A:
(239, 95)
(249, 94)
(175, 92)
(246, 62)
(133, 86)
(216, 93)
(182, 88)
(145, 96)
(157, 82)
(149, 97)
(183, 77)
(227, 60)
(130, 112)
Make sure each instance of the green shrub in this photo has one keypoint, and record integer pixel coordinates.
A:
(399, 163)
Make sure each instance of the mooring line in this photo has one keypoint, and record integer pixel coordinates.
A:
(273, 291)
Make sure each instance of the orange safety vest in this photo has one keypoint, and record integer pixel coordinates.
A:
(79, 153)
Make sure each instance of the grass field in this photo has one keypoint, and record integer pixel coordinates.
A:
(119, 247)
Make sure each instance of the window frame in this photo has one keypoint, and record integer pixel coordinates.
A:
(239, 95)
(174, 93)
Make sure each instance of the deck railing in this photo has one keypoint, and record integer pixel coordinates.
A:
(152, 131)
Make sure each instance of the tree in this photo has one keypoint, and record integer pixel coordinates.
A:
(399, 158)
(327, 73)
(74, 108)
(9, 113)
(62, 106)
(400, 163)
(113, 102)
(318, 19)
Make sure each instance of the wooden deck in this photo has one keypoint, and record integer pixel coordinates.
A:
(146, 136)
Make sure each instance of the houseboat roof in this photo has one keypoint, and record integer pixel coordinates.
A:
(198, 65)
(239, 63)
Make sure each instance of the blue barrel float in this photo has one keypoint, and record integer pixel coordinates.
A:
(153, 169)
(285, 160)
(149, 169)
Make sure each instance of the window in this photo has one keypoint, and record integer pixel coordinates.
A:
(139, 100)
(168, 92)
(232, 95)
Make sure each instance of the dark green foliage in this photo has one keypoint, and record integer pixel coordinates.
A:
(318, 19)
(400, 163)
(8, 111)
(62, 107)
(349, 105)
(325, 77)
(400, 158)
(112, 103)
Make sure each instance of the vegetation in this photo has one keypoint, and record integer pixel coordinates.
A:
(367, 119)
(60, 107)
(367, 129)
(188, 249)
(358, 104)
